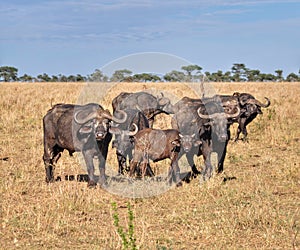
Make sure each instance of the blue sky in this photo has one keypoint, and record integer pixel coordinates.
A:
(70, 37)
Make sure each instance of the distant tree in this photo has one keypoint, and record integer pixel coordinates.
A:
(207, 74)
(71, 78)
(189, 69)
(155, 78)
(238, 72)
(43, 78)
(252, 75)
(263, 77)
(62, 78)
(145, 77)
(26, 78)
(98, 76)
(8, 73)
(292, 77)
(227, 76)
(80, 78)
(217, 76)
(54, 78)
(120, 75)
(279, 77)
(175, 76)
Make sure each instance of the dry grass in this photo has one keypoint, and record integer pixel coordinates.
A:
(254, 204)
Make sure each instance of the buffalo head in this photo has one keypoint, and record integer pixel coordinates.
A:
(189, 141)
(96, 122)
(124, 139)
(164, 104)
(218, 121)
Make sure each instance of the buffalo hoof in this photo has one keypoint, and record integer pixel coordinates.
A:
(194, 175)
(103, 181)
(49, 180)
(179, 184)
(219, 170)
(91, 184)
(104, 184)
(206, 177)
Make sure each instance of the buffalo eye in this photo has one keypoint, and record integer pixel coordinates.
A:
(114, 144)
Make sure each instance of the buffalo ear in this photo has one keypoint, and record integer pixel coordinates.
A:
(114, 130)
(197, 143)
(85, 130)
(176, 143)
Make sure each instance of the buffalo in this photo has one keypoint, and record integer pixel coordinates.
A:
(249, 109)
(78, 128)
(157, 145)
(145, 102)
(203, 128)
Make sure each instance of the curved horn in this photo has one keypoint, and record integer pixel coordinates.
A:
(136, 129)
(210, 116)
(85, 119)
(258, 103)
(235, 114)
(115, 119)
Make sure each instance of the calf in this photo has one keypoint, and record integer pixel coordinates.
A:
(157, 145)
(124, 133)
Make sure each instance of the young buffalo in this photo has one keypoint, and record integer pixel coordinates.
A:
(157, 145)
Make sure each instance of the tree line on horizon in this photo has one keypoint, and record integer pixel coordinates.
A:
(190, 73)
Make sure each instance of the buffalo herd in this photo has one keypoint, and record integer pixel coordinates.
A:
(199, 127)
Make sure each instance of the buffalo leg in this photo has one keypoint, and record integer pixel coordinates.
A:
(144, 165)
(51, 157)
(149, 171)
(134, 163)
(102, 156)
(102, 177)
(174, 173)
(206, 151)
(245, 123)
(88, 158)
(220, 148)
(190, 159)
(241, 128)
(122, 164)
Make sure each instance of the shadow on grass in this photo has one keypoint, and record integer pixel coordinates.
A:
(186, 177)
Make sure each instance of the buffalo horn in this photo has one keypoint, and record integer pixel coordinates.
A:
(136, 129)
(210, 116)
(258, 103)
(85, 119)
(214, 115)
(115, 119)
(95, 114)
(235, 114)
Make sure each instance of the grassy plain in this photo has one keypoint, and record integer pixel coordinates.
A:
(254, 204)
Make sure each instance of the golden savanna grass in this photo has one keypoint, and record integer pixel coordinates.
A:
(254, 204)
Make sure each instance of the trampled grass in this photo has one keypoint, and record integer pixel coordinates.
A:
(254, 204)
